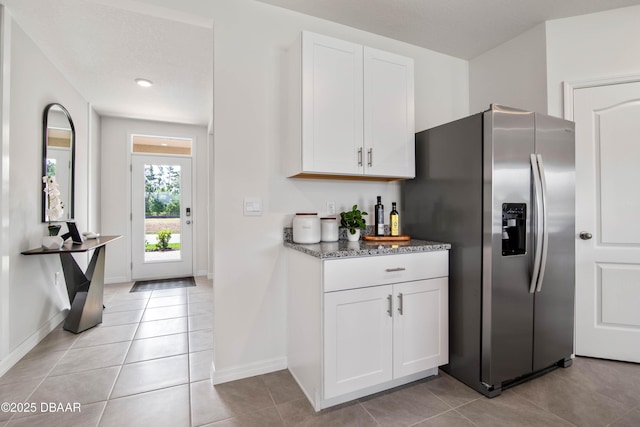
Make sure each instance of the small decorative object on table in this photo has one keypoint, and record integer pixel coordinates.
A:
(352, 220)
(54, 211)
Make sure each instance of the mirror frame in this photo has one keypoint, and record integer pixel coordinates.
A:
(69, 209)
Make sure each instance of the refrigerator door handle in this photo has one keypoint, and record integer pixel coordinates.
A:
(545, 231)
(537, 187)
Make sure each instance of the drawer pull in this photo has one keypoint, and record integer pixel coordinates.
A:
(391, 270)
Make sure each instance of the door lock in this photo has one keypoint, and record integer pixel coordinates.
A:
(188, 213)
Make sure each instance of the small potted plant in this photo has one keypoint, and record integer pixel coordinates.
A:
(352, 220)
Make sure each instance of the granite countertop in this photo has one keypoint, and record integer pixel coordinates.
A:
(344, 249)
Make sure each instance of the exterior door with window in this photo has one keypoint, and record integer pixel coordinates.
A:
(161, 217)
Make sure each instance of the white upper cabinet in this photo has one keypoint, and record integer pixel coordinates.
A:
(331, 105)
(351, 111)
(389, 130)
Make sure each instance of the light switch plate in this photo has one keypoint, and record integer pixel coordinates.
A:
(331, 207)
(252, 206)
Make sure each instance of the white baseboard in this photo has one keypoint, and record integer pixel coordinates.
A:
(210, 276)
(246, 371)
(116, 279)
(28, 344)
(201, 273)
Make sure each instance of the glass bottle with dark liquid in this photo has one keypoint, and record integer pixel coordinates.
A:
(379, 209)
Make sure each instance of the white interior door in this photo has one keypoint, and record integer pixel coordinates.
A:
(608, 209)
(161, 202)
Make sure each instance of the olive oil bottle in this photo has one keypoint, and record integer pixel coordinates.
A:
(394, 221)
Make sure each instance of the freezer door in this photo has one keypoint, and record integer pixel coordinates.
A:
(507, 309)
(554, 302)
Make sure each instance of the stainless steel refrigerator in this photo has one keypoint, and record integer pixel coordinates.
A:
(499, 186)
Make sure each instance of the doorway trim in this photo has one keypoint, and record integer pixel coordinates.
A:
(569, 87)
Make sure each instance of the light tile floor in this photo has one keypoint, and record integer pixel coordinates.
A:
(148, 365)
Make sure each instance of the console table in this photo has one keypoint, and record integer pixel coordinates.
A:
(85, 289)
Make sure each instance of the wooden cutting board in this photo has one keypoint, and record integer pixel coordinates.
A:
(400, 238)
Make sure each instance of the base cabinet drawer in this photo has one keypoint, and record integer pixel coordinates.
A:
(340, 274)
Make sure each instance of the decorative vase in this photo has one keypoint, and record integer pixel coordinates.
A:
(52, 242)
(54, 230)
(353, 237)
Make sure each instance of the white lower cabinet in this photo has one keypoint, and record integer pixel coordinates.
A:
(381, 333)
(347, 339)
(421, 326)
(358, 341)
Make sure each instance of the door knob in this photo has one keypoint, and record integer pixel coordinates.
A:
(585, 235)
(188, 222)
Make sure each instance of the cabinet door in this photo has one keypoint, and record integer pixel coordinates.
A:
(331, 105)
(421, 328)
(388, 114)
(357, 339)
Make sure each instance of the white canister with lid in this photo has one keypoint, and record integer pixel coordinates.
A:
(306, 228)
(329, 229)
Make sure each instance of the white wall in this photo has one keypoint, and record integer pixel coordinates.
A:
(512, 74)
(95, 214)
(115, 189)
(34, 304)
(5, 61)
(595, 46)
(250, 91)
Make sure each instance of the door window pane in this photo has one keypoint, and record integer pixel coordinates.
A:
(162, 212)
(161, 145)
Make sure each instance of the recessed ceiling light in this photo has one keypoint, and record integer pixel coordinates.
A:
(144, 82)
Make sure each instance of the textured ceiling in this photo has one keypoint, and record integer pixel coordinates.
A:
(101, 46)
(102, 49)
(461, 28)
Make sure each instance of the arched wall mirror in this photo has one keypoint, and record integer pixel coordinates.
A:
(58, 157)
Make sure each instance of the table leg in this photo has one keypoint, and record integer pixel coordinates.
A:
(85, 291)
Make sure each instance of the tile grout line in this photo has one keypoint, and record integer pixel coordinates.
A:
(70, 347)
(522, 398)
(113, 386)
(48, 375)
(637, 407)
(440, 414)
(189, 362)
(375, 420)
(275, 405)
(451, 408)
